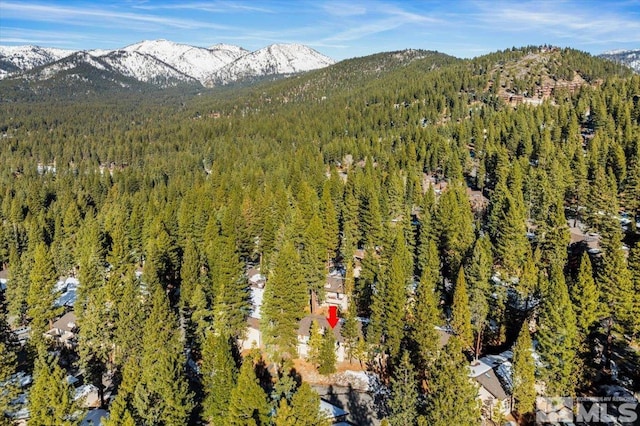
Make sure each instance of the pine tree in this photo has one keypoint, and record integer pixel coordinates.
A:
(552, 233)
(18, 285)
(189, 272)
(557, 336)
(404, 394)
(9, 388)
(119, 414)
(634, 268)
(315, 343)
(285, 298)
(426, 312)
(161, 394)
(304, 409)
(452, 397)
(478, 274)
(511, 240)
(248, 401)
(327, 354)
(130, 314)
(350, 222)
(615, 282)
(329, 221)
(232, 302)
(218, 377)
(51, 396)
(524, 379)
(460, 313)
(42, 280)
(454, 221)
(390, 300)
(314, 257)
(351, 332)
(585, 296)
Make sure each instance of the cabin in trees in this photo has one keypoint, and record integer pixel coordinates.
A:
(304, 332)
(493, 374)
(253, 335)
(64, 330)
(335, 292)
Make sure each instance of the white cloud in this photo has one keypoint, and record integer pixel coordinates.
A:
(104, 17)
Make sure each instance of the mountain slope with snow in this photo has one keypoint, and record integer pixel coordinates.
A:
(146, 68)
(196, 62)
(162, 62)
(630, 58)
(23, 58)
(276, 59)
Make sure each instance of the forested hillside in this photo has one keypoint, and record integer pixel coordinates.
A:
(492, 204)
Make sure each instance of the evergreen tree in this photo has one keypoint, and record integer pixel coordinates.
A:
(557, 336)
(232, 302)
(218, 377)
(189, 272)
(327, 354)
(161, 394)
(553, 234)
(42, 280)
(427, 234)
(314, 258)
(285, 298)
(454, 222)
(315, 343)
(634, 268)
(121, 410)
(426, 313)
(478, 274)
(585, 296)
(51, 396)
(248, 401)
(351, 333)
(524, 380)
(404, 394)
(452, 398)
(460, 313)
(18, 286)
(390, 299)
(8, 363)
(329, 221)
(304, 409)
(511, 240)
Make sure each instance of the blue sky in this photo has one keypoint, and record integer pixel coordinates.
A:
(340, 29)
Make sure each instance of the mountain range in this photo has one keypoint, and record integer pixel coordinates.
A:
(630, 58)
(160, 62)
(163, 64)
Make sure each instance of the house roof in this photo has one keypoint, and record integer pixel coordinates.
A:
(444, 335)
(490, 382)
(304, 327)
(253, 323)
(332, 411)
(335, 284)
(67, 322)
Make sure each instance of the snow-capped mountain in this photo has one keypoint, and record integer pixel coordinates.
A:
(162, 62)
(630, 58)
(143, 67)
(23, 58)
(196, 62)
(276, 59)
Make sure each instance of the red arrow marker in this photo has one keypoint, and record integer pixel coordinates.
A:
(333, 316)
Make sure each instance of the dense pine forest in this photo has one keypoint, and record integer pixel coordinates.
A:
(470, 209)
